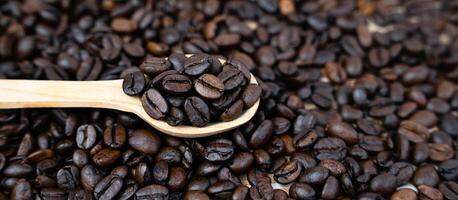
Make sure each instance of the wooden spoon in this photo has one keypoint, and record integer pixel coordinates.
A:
(101, 94)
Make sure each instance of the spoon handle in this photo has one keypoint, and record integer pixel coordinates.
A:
(59, 94)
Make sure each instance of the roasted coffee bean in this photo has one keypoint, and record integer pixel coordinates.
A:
(413, 131)
(234, 111)
(242, 162)
(155, 104)
(231, 78)
(449, 190)
(134, 83)
(262, 134)
(343, 131)
(176, 83)
(427, 192)
(331, 188)
(68, 177)
(152, 192)
(115, 136)
(90, 176)
(154, 66)
(289, 172)
(302, 191)
(175, 117)
(18, 170)
(219, 150)
(144, 141)
(197, 111)
(209, 86)
(384, 183)
(106, 157)
(177, 60)
(86, 136)
(108, 187)
(314, 176)
(196, 64)
(330, 148)
(425, 175)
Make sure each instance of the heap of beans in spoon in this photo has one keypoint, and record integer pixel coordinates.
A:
(195, 90)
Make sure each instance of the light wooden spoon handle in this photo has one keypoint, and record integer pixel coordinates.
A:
(65, 94)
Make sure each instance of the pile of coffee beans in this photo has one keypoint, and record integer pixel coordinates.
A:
(195, 90)
(359, 100)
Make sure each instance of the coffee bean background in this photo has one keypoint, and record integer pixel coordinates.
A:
(359, 100)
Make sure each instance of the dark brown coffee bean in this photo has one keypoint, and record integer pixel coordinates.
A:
(231, 78)
(175, 117)
(301, 191)
(176, 83)
(134, 83)
(426, 175)
(233, 112)
(262, 134)
(86, 136)
(90, 176)
(384, 183)
(413, 131)
(152, 192)
(106, 157)
(197, 111)
(330, 148)
(144, 141)
(427, 192)
(155, 104)
(209, 86)
(68, 177)
(251, 94)
(115, 136)
(331, 188)
(153, 66)
(343, 131)
(196, 64)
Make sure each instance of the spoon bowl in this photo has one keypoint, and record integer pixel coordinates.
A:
(16, 94)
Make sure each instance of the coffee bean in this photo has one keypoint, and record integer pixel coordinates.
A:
(90, 176)
(330, 148)
(144, 141)
(114, 136)
(331, 188)
(196, 64)
(231, 78)
(209, 86)
(251, 94)
(175, 117)
(233, 111)
(154, 66)
(262, 134)
(449, 189)
(426, 175)
(314, 176)
(427, 192)
(155, 104)
(413, 131)
(384, 183)
(106, 157)
(134, 83)
(68, 177)
(197, 111)
(301, 191)
(343, 131)
(86, 136)
(152, 191)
